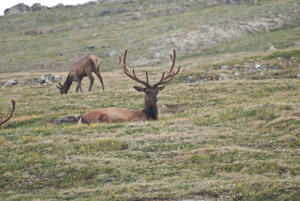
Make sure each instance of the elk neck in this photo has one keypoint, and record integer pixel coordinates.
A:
(151, 111)
(67, 83)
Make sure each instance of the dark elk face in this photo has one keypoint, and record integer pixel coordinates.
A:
(62, 89)
(150, 91)
(150, 94)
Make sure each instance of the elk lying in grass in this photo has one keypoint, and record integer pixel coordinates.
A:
(83, 67)
(150, 112)
(10, 115)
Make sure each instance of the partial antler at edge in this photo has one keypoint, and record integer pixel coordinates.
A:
(11, 113)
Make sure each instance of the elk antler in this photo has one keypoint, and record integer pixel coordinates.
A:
(126, 71)
(60, 86)
(164, 79)
(10, 115)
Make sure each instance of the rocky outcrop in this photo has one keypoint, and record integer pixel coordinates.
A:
(23, 8)
(17, 9)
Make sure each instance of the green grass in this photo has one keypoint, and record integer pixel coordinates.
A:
(236, 139)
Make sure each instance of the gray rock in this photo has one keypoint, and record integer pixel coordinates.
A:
(57, 77)
(67, 119)
(223, 76)
(271, 48)
(293, 58)
(37, 6)
(22, 83)
(11, 83)
(106, 12)
(223, 67)
(89, 47)
(257, 66)
(112, 53)
(17, 9)
(298, 76)
(276, 67)
(250, 70)
(236, 74)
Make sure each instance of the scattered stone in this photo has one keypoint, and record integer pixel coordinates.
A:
(223, 76)
(276, 67)
(106, 12)
(67, 119)
(298, 76)
(250, 70)
(223, 67)
(293, 58)
(257, 66)
(47, 79)
(271, 48)
(10, 83)
(297, 44)
(89, 47)
(112, 53)
(236, 74)
(22, 83)
(136, 16)
(44, 79)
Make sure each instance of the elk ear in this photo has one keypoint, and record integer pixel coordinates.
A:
(161, 88)
(139, 89)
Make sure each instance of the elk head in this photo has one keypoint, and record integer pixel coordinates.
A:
(150, 91)
(10, 115)
(62, 89)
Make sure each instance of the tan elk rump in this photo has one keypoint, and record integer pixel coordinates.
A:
(83, 67)
(149, 112)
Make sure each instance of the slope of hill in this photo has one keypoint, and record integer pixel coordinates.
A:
(50, 40)
(228, 125)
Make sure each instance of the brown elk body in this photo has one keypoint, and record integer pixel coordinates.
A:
(83, 67)
(10, 115)
(150, 111)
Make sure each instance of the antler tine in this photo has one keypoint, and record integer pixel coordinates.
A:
(173, 58)
(59, 86)
(171, 73)
(126, 71)
(11, 113)
(147, 77)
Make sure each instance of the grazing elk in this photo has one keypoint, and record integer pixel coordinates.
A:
(10, 115)
(83, 67)
(150, 112)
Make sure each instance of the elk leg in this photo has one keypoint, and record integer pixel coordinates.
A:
(100, 78)
(91, 80)
(78, 83)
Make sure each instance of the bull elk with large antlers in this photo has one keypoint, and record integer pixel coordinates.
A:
(150, 112)
(83, 67)
(10, 115)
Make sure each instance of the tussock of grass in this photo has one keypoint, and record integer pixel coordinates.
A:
(235, 139)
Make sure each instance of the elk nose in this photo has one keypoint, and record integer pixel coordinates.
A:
(155, 99)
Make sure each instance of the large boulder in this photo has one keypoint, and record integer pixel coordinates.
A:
(38, 6)
(17, 9)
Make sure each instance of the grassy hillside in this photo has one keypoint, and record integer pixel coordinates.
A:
(224, 133)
